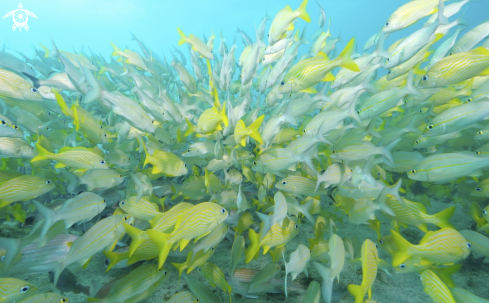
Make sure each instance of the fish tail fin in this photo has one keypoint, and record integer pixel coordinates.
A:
(18, 213)
(379, 50)
(180, 267)
(137, 237)
(266, 224)
(445, 274)
(403, 249)
(13, 247)
(190, 128)
(303, 14)
(116, 50)
(286, 274)
(357, 292)
(76, 118)
(73, 181)
(46, 50)
(48, 215)
(147, 156)
(386, 150)
(305, 210)
(327, 275)
(345, 57)
(441, 218)
(254, 133)
(43, 154)
(224, 117)
(62, 104)
(114, 258)
(254, 247)
(183, 38)
(321, 179)
(163, 242)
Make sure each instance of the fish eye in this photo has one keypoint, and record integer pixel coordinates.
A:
(387, 23)
(424, 78)
(296, 226)
(48, 182)
(16, 127)
(223, 210)
(388, 59)
(284, 182)
(389, 72)
(92, 63)
(200, 269)
(125, 218)
(184, 164)
(451, 53)
(3, 122)
(212, 248)
(480, 132)
(31, 67)
(120, 176)
(101, 127)
(282, 83)
(416, 142)
(24, 289)
(477, 152)
(105, 135)
(484, 212)
(165, 272)
(469, 100)
(263, 59)
(402, 266)
(63, 300)
(102, 162)
(188, 150)
(478, 189)
(123, 203)
(304, 131)
(376, 246)
(413, 171)
(381, 241)
(334, 152)
(254, 163)
(430, 126)
(107, 262)
(469, 245)
(33, 89)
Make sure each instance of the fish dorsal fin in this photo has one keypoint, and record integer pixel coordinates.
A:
(426, 237)
(322, 55)
(419, 206)
(481, 51)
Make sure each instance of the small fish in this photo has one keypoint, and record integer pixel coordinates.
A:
(278, 235)
(48, 297)
(435, 288)
(298, 262)
(215, 276)
(369, 271)
(443, 246)
(195, 224)
(15, 87)
(80, 208)
(75, 157)
(12, 290)
(284, 21)
(197, 45)
(23, 188)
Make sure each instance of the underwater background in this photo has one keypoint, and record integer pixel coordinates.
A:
(89, 27)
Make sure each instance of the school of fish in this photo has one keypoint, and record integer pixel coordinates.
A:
(218, 162)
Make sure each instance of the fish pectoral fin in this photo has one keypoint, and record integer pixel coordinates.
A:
(85, 265)
(59, 165)
(291, 26)
(201, 236)
(328, 77)
(309, 90)
(183, 243)
(266, 248)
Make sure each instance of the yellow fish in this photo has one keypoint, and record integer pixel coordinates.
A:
(370, 260)
(278, 236)
(409, 14)
(241, 131)
(75, 157)
(15, 87)
(444, 246)
(435, 288)
(196, 223)
(23, 188)
(284, 21)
